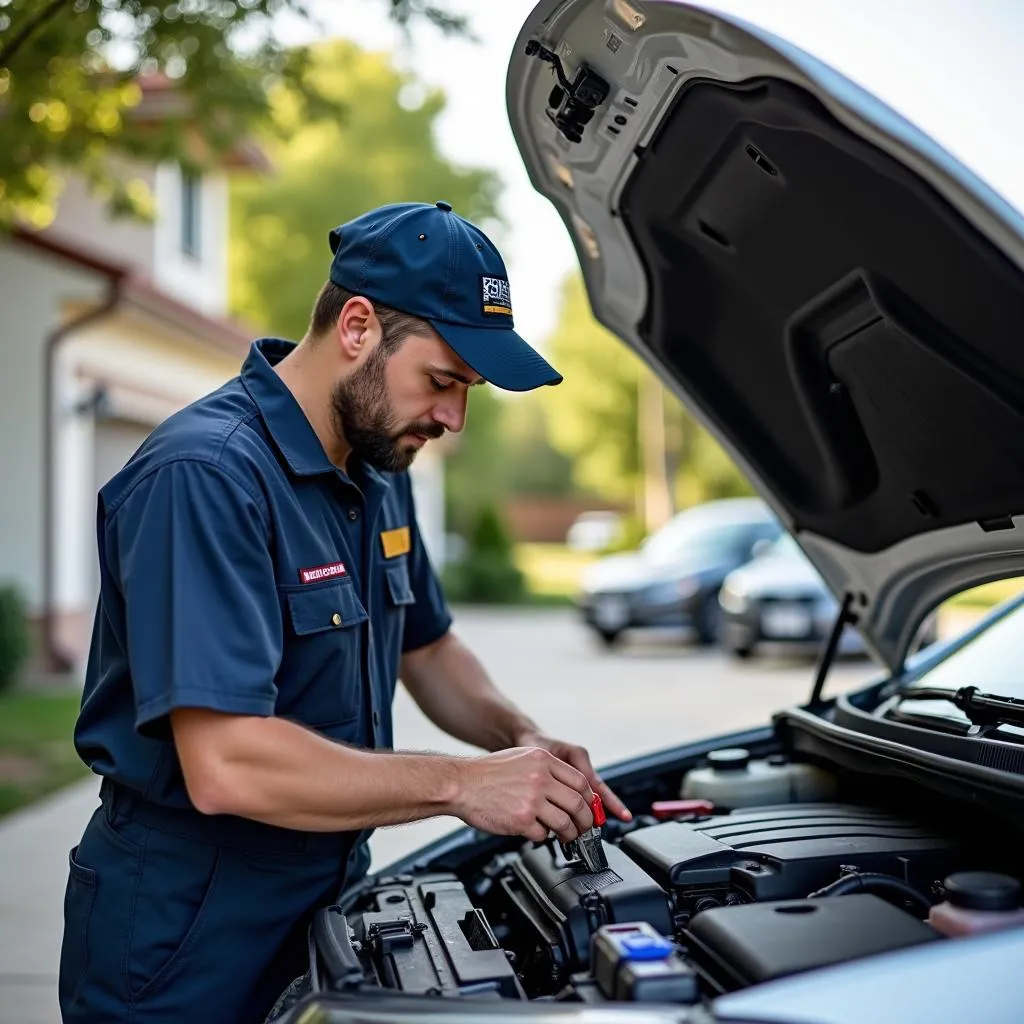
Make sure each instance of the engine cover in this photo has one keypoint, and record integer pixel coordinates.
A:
(741, 946)
(560, 905)
(787, 851)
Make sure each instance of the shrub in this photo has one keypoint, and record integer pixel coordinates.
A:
(15, 640)
(488, 573)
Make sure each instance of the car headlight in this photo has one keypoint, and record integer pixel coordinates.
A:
(733, 600)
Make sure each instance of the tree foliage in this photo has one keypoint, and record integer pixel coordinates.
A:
(69, 95)
(334, 168)
(593, 417)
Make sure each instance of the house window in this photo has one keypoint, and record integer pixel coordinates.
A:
(190, 214)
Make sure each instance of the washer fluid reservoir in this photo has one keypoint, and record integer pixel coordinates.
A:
(733, 779)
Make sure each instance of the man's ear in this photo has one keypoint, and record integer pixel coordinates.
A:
(358, 329)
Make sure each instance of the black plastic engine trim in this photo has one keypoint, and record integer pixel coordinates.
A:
(808, 733)
(1000, 755)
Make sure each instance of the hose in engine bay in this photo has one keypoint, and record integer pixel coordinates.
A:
(887, 886)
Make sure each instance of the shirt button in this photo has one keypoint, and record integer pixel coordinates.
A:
(353, 514)
(336, 618)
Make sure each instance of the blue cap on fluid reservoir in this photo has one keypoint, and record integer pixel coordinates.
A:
(645, 947)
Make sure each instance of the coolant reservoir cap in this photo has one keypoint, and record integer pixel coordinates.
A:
(729, 759)
(982, 890)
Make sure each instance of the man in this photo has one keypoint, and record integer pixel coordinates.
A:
(263, 584)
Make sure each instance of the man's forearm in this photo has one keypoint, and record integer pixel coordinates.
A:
(454, 691)
(275, 771)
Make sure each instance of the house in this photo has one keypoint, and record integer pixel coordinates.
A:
(108, 327)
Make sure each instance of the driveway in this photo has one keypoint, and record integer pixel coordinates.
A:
(650, 694)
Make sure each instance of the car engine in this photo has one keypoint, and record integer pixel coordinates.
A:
(694, 902)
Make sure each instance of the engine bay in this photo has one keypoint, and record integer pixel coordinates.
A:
(697, 898)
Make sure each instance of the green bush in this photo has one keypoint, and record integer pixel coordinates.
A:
(15, 641)
(488, 573)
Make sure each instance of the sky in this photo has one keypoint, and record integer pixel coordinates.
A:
(953, 67)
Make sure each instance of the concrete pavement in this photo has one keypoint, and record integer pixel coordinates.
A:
(650, 694)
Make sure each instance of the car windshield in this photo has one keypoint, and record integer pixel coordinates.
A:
(694, 535)
(993, 661)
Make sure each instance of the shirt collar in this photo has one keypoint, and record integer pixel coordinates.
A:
(292, 432)
(286, 422)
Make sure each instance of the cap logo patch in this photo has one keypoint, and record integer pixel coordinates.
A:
(495, 297)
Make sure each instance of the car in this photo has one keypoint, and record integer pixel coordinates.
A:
(593, 531)
(672, 580)
(780, 598)
(840, 301)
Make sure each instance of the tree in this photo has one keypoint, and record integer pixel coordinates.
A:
(593, 413)
(475, 473)
(70, 96)
(331, 169)
(605, 407)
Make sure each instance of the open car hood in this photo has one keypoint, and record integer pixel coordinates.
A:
(834, 296)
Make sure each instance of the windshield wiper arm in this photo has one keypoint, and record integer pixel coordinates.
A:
(981, 708)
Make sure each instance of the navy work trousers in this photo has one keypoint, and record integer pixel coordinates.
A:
(173, 917)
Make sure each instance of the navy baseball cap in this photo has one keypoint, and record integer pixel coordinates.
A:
(425, 260)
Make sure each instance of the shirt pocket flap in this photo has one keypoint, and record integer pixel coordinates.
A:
(324, 608)
(398, 583)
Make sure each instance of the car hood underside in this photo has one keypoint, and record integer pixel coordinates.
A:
(830, 293)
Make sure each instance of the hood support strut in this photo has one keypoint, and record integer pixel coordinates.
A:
(828, 652)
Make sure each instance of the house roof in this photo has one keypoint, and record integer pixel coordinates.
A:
(220, 332)
(162, 100)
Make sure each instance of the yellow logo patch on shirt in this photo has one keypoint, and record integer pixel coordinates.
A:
(396, 542)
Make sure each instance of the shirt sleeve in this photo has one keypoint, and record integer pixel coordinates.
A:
(428, 619)
(202, 622)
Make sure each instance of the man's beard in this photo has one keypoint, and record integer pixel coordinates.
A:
(363, 416)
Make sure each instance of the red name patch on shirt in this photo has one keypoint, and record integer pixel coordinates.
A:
(322, 572)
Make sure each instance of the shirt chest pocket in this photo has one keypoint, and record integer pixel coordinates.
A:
(322, 671)
(398, 599)
(399, 590)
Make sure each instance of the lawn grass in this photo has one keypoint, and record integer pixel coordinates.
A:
(37, 755)
(988, 595)
(552, 571)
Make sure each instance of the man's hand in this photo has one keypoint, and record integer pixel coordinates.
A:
(578, 757)
(524, 791)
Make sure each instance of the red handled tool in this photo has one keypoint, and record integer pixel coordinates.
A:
(589, 846)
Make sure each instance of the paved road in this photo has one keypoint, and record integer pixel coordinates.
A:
(649, 694)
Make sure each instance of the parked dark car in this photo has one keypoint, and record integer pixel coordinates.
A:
(841, 303)
(674, 577)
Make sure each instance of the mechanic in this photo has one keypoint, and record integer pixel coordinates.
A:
(263, 585)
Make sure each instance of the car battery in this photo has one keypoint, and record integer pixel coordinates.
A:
(633, 963)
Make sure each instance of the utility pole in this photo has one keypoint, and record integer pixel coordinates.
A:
(657, 492)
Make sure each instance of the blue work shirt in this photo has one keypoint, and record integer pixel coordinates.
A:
(243, 572)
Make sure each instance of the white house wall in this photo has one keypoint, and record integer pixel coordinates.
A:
(34, 289)
(202, 282)
(82, 220)
(427, 477)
